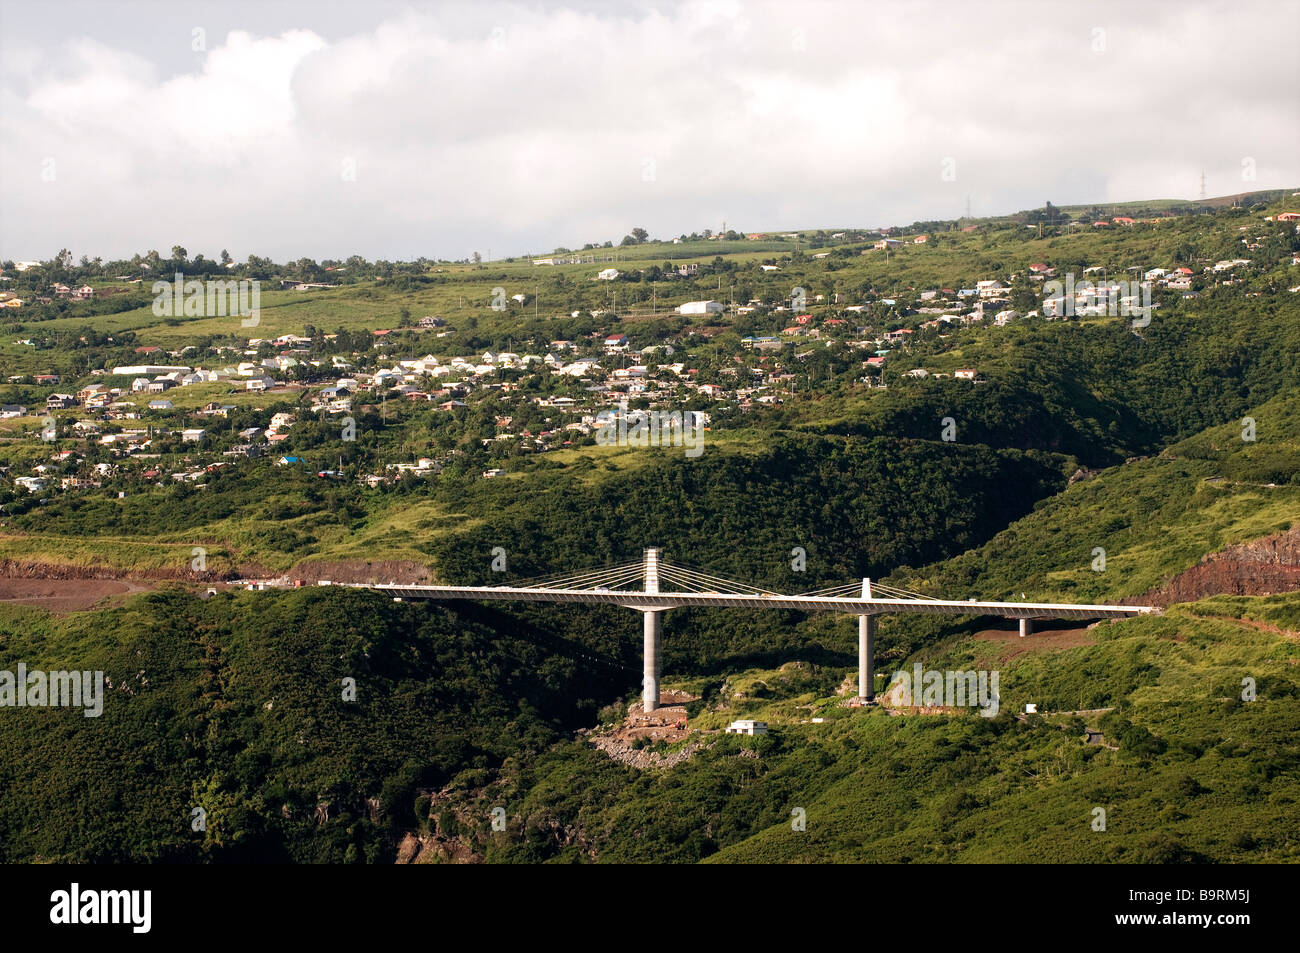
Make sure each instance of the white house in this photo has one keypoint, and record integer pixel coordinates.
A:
(747, 727)
(579, 368)
(609, 274)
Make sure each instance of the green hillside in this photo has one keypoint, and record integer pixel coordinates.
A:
(1083, 460)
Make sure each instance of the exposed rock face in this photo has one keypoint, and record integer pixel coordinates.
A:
(34, 569)
(359, 570)
(642, 758)
(1262, 567)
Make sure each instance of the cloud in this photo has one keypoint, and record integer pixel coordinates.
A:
(440, 132)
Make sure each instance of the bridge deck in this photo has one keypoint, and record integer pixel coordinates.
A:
(633, 599)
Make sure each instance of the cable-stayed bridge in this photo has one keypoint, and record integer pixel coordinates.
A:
(652, 586)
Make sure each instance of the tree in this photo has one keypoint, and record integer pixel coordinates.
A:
(477, 258)
(640, 234)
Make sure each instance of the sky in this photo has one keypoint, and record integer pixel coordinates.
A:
(398, 130)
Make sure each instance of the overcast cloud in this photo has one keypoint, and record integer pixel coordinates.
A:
(394, 131)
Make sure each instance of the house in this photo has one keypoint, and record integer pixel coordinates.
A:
(1121, 220)
(745, 726)
(259, 383)
(579, 368)
(281, 421)
(60, 402)
(991, 289)
(920, 239)
(886, 243)
(494, 472)
(288, 461)
(193, 436)
(966, 374)
(160, 405)
(12, 410)
(609, 274)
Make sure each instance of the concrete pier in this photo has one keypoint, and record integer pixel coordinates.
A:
(652, 626)
(650, 662)
(1026, 627)
(866, 648)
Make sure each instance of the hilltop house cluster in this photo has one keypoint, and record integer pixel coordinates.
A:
(127, 408)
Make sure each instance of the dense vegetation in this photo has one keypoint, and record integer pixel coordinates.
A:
(242, 713)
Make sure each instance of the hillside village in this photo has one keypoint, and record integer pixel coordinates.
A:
(134, 423)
